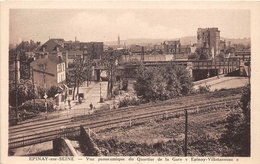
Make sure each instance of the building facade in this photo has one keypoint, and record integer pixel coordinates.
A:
(52, 47)
(49, 70)
(210, 36)
(172, 47)
(96, 48)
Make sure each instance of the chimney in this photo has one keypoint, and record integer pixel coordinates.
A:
(75, 39)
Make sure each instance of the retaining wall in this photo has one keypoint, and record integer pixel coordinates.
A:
(63, 147)
(87, 145)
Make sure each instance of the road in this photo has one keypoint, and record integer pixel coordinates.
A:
(224, 83)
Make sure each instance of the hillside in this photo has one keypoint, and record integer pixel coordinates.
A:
(184, 41)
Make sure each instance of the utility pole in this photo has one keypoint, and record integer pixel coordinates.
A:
(175, 53)
(43, 67)
(33, 90)
(186, 132)
(100, 91)
(15, 80)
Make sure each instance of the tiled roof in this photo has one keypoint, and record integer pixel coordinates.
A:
(136, 48)
(75, 52)
(56, 59)
(51, 45)
(58, 41)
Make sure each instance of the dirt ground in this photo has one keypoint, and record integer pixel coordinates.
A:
(165, 137)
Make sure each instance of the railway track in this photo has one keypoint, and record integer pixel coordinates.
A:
(50, 134)
(101, 115)
(177, 101)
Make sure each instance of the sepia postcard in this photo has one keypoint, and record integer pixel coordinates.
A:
(132, 82)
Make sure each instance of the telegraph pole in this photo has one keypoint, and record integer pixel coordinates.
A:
(33, 89)
(186, 132)
(15, 80)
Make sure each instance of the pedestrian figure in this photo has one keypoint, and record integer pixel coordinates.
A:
(91, 106)
(69, 102)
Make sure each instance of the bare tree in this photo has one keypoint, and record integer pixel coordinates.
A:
(78, 74)
(110, 60)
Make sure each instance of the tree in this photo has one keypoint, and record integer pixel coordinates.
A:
(77, 74)
(110, 60)
(237, 133)
(88, 61)
(163, 82)
(25, 91)
(149, 84)
(22, 49)
(203, 52)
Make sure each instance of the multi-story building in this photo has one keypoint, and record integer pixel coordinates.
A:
(54, 47)
(210, 36)
(96, 48)
(137, 50)
(172, 47)
(49, 70)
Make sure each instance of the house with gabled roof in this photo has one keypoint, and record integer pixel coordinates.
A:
(171, 47)
(54, 47)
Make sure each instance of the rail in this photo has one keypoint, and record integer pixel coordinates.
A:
(83, 111)
(73, 130)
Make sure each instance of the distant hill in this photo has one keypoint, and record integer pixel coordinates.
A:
(184, 41)
(244, 41)
(145, 41)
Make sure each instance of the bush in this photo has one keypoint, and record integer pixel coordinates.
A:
(116, 91)
(52, 91)
(125, 84)
(128, 101)
(39, 105)
(237, 130)
(204, 89)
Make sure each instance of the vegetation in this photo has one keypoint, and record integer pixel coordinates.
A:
(76, 75)
(237, 133)
(124, 84)
(162, 83)
(204, 89)
(21, 51)
(203, 53)
(193, 56)
(39, 105)
(25, 91)
(110, 60)
(128, 101)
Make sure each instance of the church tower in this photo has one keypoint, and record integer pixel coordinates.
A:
(118, 40)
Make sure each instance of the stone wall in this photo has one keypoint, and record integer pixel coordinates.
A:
(87, 145)
(63, 147)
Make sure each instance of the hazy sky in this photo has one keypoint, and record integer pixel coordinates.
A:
(106, 25)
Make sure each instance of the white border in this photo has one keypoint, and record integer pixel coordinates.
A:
(254, 7)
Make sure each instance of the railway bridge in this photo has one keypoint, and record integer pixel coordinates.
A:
(199, 69)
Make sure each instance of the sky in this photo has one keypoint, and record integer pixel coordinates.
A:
(107, 24)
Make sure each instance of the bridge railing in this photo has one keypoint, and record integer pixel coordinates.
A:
(42, 137)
